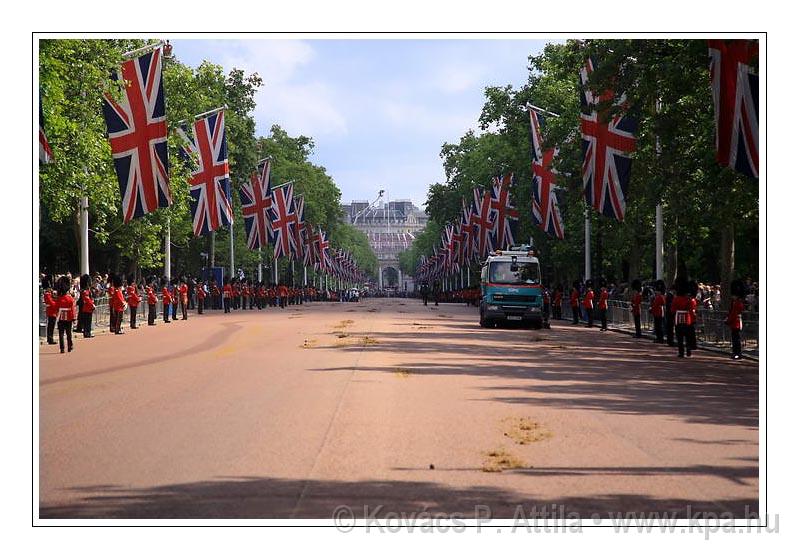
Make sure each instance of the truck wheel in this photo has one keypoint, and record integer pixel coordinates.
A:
(537, 324)
(485, 323)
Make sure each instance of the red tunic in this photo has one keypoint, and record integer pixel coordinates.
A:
(227, 291)
(165, 296)
(636, 303)
(684, 308)
(152, 298)
(573, 298)
(118, 301)
(657, 306)
(734, 319)
(201, 293)
(88, 302)
(557, 298)
(603, 304)
(588, 299)
(184, 290)
(133, 296)
(51, 304)
(66, 308)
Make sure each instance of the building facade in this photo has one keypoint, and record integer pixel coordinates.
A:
(391, 227)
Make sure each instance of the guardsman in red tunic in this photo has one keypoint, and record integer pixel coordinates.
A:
(574, 296)
(657, 310)
(602, 307)
(166, 300)
(51, 308)
(134, 299)
(283, 295)
(200, 291)
(734, 320)
(215, 294)
(636, 307)
(183, 294)
(227, 295)
(588, 304)
(152, 301)
(66, 313)
(112, 315)
(118, 304)
(262, 296)
(557, 296)
(175, 295)
(682, 308)
(87, 306)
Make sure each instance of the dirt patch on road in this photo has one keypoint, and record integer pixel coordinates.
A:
(402, 373)
(499, 460)
(524, 430)
(309, 343)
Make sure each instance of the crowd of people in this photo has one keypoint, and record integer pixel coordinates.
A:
(70, 302)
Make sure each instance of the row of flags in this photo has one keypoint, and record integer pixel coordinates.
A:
(137, 133)
(608, 141)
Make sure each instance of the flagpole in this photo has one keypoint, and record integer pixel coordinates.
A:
(260, 265)
(233, 270)
(275, 271)
(84, 235)
(305, 276)
(659, 215)
(167, 252)
(587, 256)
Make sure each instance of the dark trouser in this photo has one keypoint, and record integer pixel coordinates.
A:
(199, 306)
(51, 327)
(425, 299)
(175, 311)
(251, 302)
(65, 326)
(603, 319)
(736, 342)
(79, 323)
(134, 310)
(637, 323)
(682, 334)
(112, 319)
(87, 324)
(691, 337)
(575, 314)
(166, 312)
(226, 304)
(658, 324)
(670, 332)
(546, 313)
(589, 316)
(151, 313)
(183, 309)
(282, 302)
(118, 323)
(557, 311)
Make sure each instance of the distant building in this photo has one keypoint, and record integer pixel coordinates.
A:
(391, 227)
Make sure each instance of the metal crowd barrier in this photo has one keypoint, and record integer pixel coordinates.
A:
(711, 327)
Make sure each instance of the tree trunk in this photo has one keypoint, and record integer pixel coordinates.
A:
(726, 263)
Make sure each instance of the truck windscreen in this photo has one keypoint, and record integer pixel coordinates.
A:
(526, 273)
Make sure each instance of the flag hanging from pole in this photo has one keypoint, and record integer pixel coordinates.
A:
(137, 132)
(45, 153)
(544, 203)
(210, 184)
(483, 223)
(256, 198)
(734, 87)
(298, 226)
(608, 142)
(505, 215)
(282, 218)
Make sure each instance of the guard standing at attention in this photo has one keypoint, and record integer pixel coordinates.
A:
(118, 304)
(227, 295)
(87, 306)
(588, 304)
(66, 313)
(574, 296)
(51, 308)
(636, 307)
(166, 300)
(183, 293)
(557, 296)
(681, 309)
(602, 307)
(152, 300)
(669, 318)
(133, 300)
(657, 307)
(734, 320)
(200, 292)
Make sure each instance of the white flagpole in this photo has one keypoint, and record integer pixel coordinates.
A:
(587, 256)
(168, 253)
(275, 271)
(260, 264)
(84, 235)
(233, 270)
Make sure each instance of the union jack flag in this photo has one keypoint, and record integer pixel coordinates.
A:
(323, 245)
(483, 223)
(467, 231)
(256, 204)
(210, 184)
(544, 203)
(283, 218)
(505, 215)
(311, 239)
(607, 145)
(45, 153)
(734, 86)
(137, 132)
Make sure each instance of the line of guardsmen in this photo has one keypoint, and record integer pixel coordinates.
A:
(63, 310)
(674, 311)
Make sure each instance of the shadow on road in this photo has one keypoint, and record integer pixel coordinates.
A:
(255, 497)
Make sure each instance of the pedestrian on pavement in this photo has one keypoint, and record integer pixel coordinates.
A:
(574, 297)
(657, 311)
(66, 313)
(227, 295)
(87, 305)
(734, 320)
(636, 307)
(423, 291)
(588, 304)
(602, 306)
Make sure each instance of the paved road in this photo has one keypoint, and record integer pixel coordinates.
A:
(290, 413)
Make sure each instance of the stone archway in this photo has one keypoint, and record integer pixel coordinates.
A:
(391, 277)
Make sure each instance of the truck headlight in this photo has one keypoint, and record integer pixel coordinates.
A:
(492, 308)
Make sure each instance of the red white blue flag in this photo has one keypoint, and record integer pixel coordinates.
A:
(544, 203)
(608, 142)
(283, 218)
(45, 153)
(505, 215)
(256, 198)
(137, 132)
(483, 223)
(210, 183)
(734, 86)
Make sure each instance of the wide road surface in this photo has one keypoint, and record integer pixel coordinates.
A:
(291, 413)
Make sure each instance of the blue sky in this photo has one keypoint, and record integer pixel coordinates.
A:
(379, 110)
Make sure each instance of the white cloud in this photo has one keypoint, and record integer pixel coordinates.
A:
(456, 79)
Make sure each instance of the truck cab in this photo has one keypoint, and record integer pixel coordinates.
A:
(511, 288)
